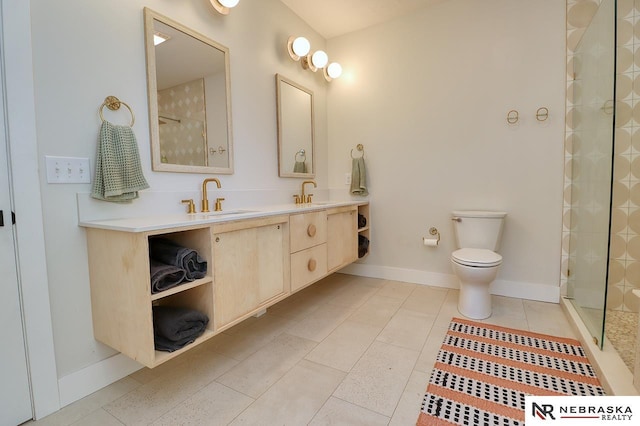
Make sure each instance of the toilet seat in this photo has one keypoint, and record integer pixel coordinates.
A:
(479, 258)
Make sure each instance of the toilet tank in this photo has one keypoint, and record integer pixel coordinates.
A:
(478, 229)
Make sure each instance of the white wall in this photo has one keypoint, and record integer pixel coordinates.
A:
(84, 51)
(427, 95)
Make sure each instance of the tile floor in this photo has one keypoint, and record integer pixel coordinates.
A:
(345, 351)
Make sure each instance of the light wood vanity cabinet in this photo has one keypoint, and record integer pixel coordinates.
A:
(250, 264)
(342, 237)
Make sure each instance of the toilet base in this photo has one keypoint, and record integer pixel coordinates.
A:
(474, 301)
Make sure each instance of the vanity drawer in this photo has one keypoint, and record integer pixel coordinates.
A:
(308, 266)
(307, 230)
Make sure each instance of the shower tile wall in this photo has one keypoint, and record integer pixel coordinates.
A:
(624, 269)
(182, 124)
(624, 272)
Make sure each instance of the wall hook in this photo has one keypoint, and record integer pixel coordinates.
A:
(542, 114)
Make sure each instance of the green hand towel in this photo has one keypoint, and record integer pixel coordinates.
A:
(118, 175)
(300, 167)
(358, 177)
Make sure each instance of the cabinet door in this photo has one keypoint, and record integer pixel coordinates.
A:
(248, 270)
(342, 239)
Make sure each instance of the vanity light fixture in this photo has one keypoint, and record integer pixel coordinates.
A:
(223, 6)
(299, 48)
(334, 70)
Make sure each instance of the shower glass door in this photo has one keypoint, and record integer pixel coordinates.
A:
(592, 163)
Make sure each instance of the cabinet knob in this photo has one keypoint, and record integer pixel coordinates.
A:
(311, 265)
(311, 230)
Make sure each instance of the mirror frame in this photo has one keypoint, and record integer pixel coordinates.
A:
(152, 95)
(280, 79)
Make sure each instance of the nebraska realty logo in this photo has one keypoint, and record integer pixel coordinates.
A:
(581, 410)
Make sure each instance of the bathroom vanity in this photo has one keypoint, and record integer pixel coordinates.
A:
(255, 259)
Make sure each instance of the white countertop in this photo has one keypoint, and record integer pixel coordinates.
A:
(158, 222)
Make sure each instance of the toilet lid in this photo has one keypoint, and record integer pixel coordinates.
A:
(476, 257)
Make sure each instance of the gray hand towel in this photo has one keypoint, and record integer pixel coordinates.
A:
(118, 174)
(358, 177)
(166, 251)
(164, 277)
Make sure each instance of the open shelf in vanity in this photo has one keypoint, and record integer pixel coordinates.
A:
(121, 296)
(363, 229)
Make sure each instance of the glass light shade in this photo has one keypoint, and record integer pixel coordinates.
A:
(334, 70)
(319, 59)
(301, 46)
(229, 3)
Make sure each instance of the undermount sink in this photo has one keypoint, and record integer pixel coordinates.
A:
(229, 213)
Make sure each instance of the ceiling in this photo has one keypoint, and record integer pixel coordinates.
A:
(332, 18)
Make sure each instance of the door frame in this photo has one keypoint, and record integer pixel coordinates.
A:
(23, 158)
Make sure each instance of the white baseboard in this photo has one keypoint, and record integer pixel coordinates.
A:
(433, 279)
(517, 289)
(84, 382)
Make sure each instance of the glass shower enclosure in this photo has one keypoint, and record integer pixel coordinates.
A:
(592, 142)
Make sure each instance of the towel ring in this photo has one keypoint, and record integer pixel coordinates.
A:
(301, 153)
(360, 148)
(114, 104)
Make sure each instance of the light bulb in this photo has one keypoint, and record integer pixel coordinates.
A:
(300, 46)
(229, 3)
(334, 70)
(223, 6)
(319, 59)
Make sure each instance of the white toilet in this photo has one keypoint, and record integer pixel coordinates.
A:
(475, 262)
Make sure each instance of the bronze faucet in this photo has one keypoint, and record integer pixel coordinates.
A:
(205, 200)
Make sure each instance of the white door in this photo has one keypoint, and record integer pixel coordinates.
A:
(15, 394)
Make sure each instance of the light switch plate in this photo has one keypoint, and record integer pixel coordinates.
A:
(347, 178)
(67, 169)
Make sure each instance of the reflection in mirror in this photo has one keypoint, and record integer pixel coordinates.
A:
(295, 129)
(189, 99)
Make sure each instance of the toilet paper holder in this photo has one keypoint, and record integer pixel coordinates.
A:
(434, 231)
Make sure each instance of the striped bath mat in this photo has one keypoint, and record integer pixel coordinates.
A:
(483, 372)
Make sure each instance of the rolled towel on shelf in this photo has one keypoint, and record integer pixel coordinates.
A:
(363, 246)
(164, 277)
(166, 251)
(176, 327)
(362, 221)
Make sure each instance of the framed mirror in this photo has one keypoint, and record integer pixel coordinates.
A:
(189, 99)
(295, 129)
